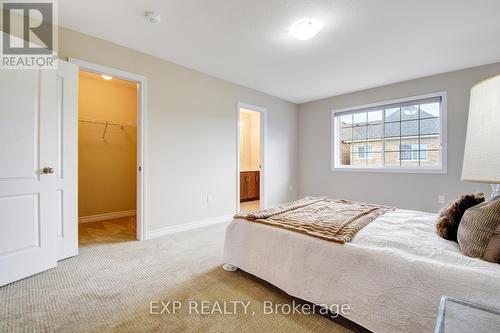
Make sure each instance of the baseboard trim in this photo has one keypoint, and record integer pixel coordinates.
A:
(106, 216)
(188, 226)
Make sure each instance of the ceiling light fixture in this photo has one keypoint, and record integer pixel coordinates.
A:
(106, 77)
(306, 28)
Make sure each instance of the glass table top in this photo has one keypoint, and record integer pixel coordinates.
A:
(462, 316)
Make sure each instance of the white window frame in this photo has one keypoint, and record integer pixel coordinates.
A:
(443, 123)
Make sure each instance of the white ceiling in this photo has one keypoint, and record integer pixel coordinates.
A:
(363, 43)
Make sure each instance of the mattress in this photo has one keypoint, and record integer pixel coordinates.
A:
(392, 274)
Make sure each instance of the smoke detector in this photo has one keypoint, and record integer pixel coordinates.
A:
(153, 17)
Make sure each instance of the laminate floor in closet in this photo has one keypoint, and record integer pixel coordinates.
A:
(249, 206)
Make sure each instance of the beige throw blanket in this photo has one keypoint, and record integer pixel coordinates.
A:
(333, 220)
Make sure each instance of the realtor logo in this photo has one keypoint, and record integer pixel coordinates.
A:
(29, 36)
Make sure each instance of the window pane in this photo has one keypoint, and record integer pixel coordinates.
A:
(345, 120)
(429, 110)
(359, 118)
(375, 160)
(409, 112)
(392, 115)
(346, 134)
(374, 131)
(429, 126)
(432, 142)
(392, 130)
(411, 142)
(359, 133)
(392, 159)
(433, 159)
(409, 128)
(375, 116)
(392, 144)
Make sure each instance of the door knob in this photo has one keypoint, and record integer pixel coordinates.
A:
(47, 170)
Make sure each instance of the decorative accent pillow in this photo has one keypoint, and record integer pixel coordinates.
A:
(479, 231)
(492, 252)
(450, 216)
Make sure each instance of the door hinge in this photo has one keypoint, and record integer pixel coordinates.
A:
(140, 168)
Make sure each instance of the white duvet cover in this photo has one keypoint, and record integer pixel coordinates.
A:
(392, 274)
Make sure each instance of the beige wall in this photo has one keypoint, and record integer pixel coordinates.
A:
(106, 168)
(412, 191)
(191, 140)
(249, 140)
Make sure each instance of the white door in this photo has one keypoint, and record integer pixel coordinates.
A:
(66, 167)
(28, 204)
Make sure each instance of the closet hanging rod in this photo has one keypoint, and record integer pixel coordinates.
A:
(101, 122)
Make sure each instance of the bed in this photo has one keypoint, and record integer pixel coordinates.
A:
(392, 274)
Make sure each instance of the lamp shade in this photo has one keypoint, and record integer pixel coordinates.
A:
(482, 145)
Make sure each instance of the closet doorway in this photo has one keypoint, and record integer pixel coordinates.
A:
(109, 155)
(251, 143)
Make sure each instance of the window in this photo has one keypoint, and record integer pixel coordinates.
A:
(407, 135)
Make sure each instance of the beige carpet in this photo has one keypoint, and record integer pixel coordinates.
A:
(109, 287)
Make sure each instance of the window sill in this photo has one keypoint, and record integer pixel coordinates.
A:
(439, 171)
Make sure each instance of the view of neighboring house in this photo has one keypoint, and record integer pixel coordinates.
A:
(402, 136)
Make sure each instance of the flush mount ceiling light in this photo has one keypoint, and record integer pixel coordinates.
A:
(306, 28)
(106, 77)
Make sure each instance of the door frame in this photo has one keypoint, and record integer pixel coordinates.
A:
(263, 145)
(142, 131)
